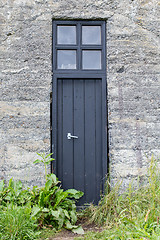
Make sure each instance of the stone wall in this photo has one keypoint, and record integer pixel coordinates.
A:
(133, 67)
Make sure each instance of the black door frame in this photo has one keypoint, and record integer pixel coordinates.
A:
(79, 74)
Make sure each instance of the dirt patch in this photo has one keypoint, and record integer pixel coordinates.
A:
(64, 234)
(68, 235)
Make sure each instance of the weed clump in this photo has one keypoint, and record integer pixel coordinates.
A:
(16, 223)
(23, 211)
(134, 214)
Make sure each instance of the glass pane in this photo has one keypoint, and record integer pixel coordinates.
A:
(66, 34)
(91, 59)
(66, 59)
(91, 35)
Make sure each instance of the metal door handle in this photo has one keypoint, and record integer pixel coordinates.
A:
(69, 136)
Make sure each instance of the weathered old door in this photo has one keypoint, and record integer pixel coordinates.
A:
(79, 108)
(79, 156)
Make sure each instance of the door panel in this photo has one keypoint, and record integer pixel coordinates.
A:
(79, 171)
(90, 140)
(79, 161)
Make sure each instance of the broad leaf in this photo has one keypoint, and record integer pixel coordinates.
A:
(41, 199)
(61, 221)
(45, 210)
(48, 155)
(39, 154)
(69, 226)
(60, 196)
(53, 178)
(78, 230)
(35, 210)
(66, 213)
(74, 193)
(49, 160)
(73, 217)
(47, 199)
(74, 228)
(55, 214)
(37, 161)
(48, 184)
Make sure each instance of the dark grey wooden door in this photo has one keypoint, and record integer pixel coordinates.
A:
(79, 160)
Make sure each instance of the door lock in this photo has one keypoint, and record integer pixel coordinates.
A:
(69, 136)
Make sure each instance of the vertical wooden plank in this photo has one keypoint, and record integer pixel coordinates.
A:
(60, 130)
(98, 130)
(54, 125)
(79, 131)
(104, 130)
(89, 140)
(67, 128)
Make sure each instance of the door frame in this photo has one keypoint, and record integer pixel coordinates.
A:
(77, 74)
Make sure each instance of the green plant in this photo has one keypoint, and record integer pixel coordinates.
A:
(16, 223)
(123, 232)
(56, 207)
(53, 205)
(106, 213)
(47, 206)
(50, 205)
(14, 193)
(134, 214)
(45, 159)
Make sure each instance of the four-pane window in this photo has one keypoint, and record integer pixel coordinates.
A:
(79, 46)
